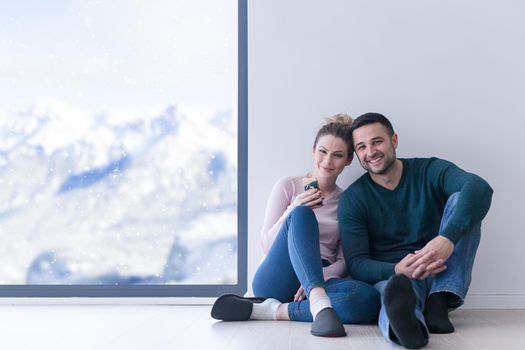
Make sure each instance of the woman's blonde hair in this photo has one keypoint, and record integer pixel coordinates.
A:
(340, 126)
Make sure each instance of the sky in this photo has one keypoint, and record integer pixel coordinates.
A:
(118, 55)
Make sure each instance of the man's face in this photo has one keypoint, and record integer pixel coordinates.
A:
(375, 148)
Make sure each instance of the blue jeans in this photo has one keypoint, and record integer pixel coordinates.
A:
(294, 260)
(455, 279)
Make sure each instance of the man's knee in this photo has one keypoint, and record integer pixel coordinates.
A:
(380, 286)
(360, 305)
(451, 204)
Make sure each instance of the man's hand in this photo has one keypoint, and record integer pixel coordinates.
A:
(442, 248)
(440, 245)
(429, 260)
(412, 264)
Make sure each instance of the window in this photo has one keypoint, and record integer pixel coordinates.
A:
(123, 148)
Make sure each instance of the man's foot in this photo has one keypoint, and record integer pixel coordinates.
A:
(436, 313)
(328, 324)
(400, 304)
(230, 307)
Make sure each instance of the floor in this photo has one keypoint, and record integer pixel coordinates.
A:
(179, 327)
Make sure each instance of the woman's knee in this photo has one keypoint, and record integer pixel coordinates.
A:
(261, 286)
(303, 213)
(302, 222)
(266, 289)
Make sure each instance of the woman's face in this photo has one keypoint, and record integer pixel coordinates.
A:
(330, 157)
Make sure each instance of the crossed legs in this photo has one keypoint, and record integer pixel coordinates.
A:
(428, 301)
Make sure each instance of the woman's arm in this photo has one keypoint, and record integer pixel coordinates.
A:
(337, 268)
(280, 204)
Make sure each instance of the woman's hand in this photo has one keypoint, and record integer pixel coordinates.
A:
(312, 198)
(300, 295)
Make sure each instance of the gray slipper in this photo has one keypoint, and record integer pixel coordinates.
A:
(328, 324)
(230, 307)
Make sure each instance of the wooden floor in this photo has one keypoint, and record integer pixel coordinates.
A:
(180, 327)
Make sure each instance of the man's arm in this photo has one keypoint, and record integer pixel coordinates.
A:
(354, 238)
(473, 202)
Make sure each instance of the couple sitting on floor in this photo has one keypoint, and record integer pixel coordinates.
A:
(398, 245)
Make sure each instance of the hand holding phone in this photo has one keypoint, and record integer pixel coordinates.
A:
(312, 196)
(310, 182)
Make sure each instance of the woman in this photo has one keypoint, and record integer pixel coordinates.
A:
(300, 278)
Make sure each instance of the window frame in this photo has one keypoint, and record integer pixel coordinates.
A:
(193, 290)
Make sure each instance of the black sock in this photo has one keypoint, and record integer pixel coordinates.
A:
(436, 313)
(400, 304)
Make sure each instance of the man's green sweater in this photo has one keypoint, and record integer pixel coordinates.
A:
(379, 227)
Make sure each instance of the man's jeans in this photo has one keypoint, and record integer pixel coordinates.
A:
(455, 279)
(295, 259)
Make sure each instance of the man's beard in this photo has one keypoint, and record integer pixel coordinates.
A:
(388, 165)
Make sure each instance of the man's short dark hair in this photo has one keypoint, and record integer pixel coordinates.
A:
(370, 118)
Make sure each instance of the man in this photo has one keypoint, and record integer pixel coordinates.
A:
(411, 227)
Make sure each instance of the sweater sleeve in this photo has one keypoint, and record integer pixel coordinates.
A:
(473, 202)
(354, 239)
(277, 209)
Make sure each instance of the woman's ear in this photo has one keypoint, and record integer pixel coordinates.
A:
(350, 158)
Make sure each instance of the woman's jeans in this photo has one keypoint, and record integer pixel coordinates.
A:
(455, 279)
(294, 260)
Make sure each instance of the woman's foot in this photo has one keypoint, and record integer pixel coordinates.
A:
(232, 307)
(328, 324)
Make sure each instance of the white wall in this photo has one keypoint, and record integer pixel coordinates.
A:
(450, 75)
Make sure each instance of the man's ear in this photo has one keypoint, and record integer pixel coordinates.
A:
(394, 140)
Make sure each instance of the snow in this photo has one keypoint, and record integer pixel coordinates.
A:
(117, 197)
(118, 142)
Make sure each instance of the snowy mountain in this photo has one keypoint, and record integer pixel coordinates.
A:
(142, 197)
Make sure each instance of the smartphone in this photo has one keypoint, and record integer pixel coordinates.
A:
(309, 183)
